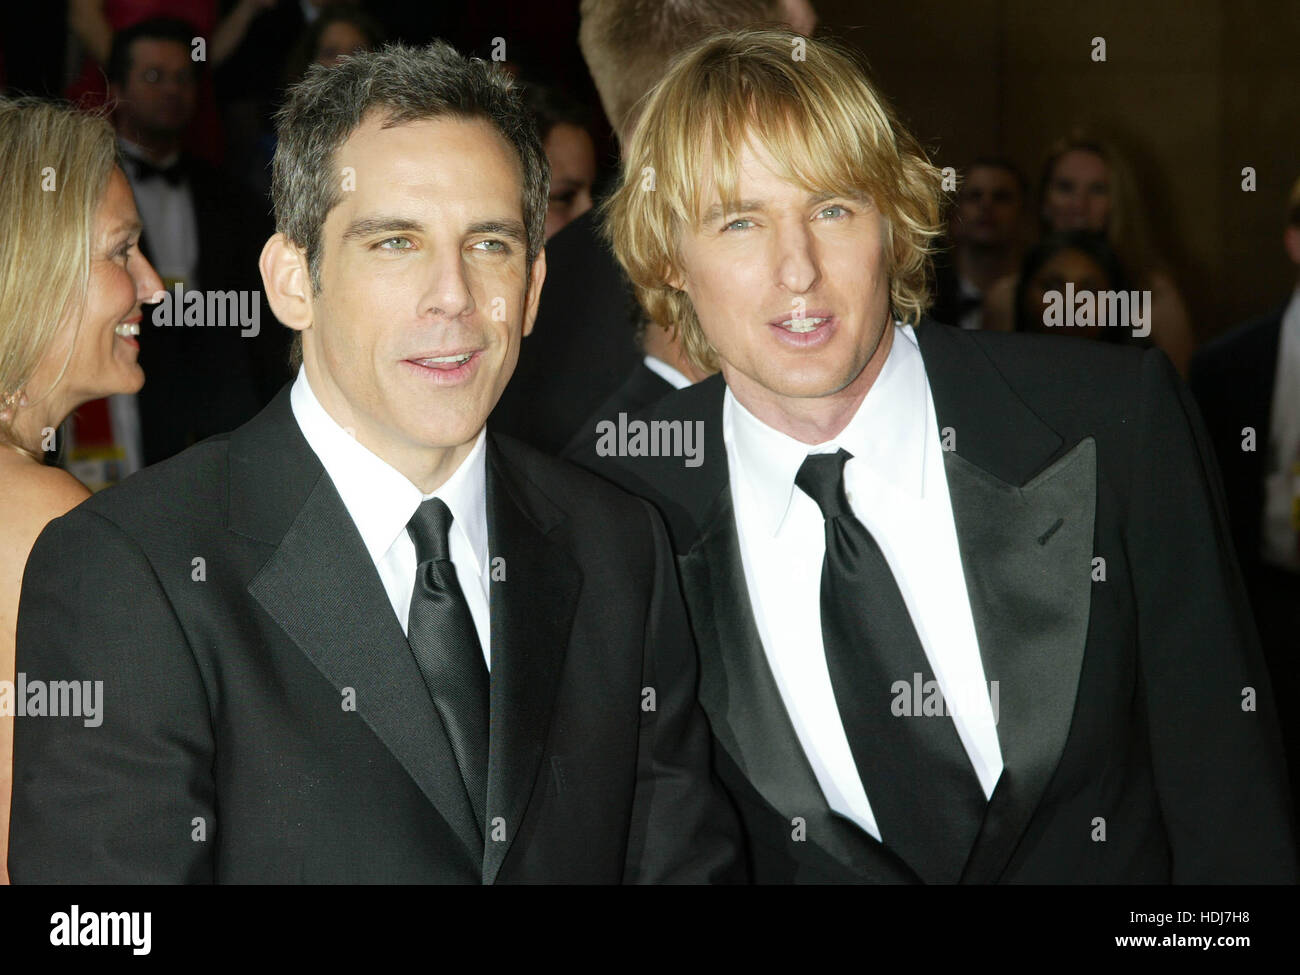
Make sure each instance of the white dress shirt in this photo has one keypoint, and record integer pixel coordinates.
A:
(897, 488)
(1278, 545)
(381, 501)
(667, 373)
(171, 227)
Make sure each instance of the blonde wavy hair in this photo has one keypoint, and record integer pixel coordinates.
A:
(54, 170)
(810, 105)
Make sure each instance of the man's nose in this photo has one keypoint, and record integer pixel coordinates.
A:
(448, 292)
(797, 259)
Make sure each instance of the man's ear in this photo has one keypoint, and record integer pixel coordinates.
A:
(287, 281)
(536, 276)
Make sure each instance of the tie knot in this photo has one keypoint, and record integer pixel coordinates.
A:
(821, 477)
(428, 528)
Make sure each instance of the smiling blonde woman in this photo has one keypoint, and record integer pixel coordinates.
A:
(72, 280)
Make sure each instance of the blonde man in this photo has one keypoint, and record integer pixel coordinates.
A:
(964, 603)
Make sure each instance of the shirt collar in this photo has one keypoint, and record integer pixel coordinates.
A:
(886, 436)
(380, 499)
(674, 377)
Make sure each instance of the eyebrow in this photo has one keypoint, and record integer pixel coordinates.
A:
(369, 226)
(364, 227)
(513, 229)
(125, 227)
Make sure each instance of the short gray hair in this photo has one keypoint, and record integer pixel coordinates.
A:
(406, 84)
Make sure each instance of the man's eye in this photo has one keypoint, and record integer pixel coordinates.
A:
(492, 246)
(152, 76)
(399, 244)
(737, 224)
(836, 211)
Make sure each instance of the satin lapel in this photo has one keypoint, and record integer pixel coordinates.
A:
(534, 597)
(321, 587)
(1026, 553)
(1024, 516)
(744, 704)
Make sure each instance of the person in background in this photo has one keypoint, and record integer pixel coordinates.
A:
(203, 234)
(1248, 386)
(93, 23)
(72, 283)
(1087, 184)
(1083, 261)
(565, 130)
(987, 232)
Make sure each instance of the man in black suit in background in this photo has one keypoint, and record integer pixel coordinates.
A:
(965, 602)
(304, 678)
(203, 233)
(1248, 386)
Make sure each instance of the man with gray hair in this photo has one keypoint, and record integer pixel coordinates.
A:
(358, 639)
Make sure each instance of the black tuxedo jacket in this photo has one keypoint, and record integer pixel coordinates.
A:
(641, 388)
(582, 346)
(204, 381)
(1120, 700)
(264, 719)
(1233, 380)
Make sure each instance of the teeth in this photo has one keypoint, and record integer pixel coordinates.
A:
(801, 324)
(126, 329)
(458, 359)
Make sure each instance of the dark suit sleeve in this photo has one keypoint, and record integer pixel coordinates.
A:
(684, 829)
(1218, 765)
(117, 802)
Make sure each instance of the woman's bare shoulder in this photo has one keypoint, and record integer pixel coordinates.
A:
(31, 496)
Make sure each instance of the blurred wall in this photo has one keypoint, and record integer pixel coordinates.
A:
(1195, 90)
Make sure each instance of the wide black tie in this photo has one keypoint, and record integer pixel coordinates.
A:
(922, 788)
(441, 633)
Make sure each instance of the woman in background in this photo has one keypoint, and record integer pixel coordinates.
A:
(1088, 185)
(1082, 261)
(72, 280)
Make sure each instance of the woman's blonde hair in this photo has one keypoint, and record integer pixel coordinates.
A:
(54, 170)
(811, 106)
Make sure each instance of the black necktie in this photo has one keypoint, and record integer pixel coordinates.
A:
(173, 175)
(441, 633)
(925, 795)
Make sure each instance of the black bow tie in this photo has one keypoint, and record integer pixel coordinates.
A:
(174, 175)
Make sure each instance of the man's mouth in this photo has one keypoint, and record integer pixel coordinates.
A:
(801, 325)
(444, 361)
(447, 369)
